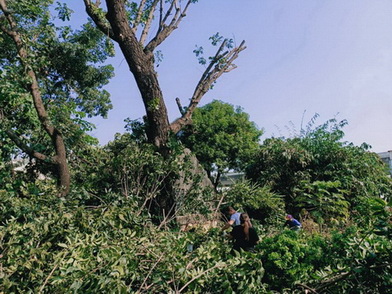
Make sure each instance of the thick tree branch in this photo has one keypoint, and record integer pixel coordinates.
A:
(33, 86)
(220, 63)
(27, 149)
(100, 22)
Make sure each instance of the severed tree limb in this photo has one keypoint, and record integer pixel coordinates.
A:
(221, 63)
(150, 272)
(307, 288)
(218, 265)
(180, 108)
(343, 275)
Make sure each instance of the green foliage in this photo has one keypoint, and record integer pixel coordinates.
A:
(100, 244)
(324, 200)
(319, 172)
(259, 202)
(341, 263)
(51, 245)
(123, 166)
(222, 137)
(67, 64)
(282, 257)
(135, 169)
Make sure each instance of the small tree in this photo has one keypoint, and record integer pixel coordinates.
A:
(49, 83)
(222, 137)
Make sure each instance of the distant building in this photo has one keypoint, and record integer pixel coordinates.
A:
(229, 179)
(387, 158)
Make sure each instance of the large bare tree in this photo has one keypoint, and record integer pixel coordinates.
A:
(129, 23)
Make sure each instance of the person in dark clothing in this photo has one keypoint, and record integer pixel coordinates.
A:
(292, 223)
(241, 239)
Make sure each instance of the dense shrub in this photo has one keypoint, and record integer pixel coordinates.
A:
(258, 201)
(321, 173)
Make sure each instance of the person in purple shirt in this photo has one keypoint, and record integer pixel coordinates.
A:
(292, 223)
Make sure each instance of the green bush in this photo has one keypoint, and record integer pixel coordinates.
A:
(258, 201)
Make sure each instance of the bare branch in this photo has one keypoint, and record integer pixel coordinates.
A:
(27, 149)
(165, 30)
(150, 272)
(218, 265)
(147, 26)
(169, 11)
(183, 13)
(102, 24)
(160, 14)
(52, 271)
(138, 16)
(220, 63)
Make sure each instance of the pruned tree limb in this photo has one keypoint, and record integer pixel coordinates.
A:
(180, 108)
(325, 284)
(220, 63)
(217, 265)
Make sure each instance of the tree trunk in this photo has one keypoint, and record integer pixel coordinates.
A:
(64, 177)
(139, 55)
(60, 159)
(141, 64)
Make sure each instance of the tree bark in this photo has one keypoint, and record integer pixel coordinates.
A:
(141, 64)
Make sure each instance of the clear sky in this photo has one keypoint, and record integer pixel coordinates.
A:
(330, 57)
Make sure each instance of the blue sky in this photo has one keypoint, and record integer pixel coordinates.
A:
(331, 57)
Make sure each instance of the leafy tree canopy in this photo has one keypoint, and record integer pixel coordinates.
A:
(222, 137)
(52, 77)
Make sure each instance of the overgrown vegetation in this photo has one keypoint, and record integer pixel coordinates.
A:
(114, 228)
(103, 237)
